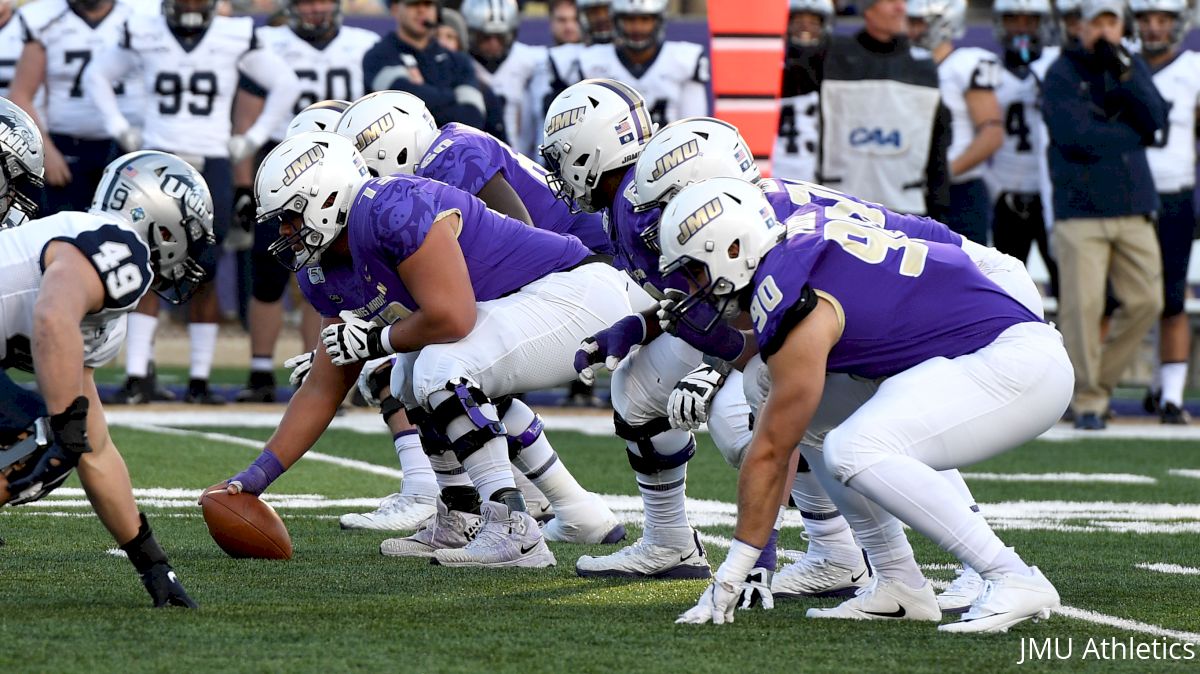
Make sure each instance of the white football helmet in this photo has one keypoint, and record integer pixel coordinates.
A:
(592, 127)
(308, 182)
(491, 17)
(595, 33)
(822, 8)
(716, 232)
(1025, 48)
(320, 116)
(168, 204)
(392, 129)
(1176, 8)
(655, 8)
(945, 21)
(21, 161)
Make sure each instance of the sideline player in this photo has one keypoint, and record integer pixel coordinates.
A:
(505, 64)
(810, 23)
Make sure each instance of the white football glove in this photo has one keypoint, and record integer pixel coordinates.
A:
(717, 604)
(366, 387)
(687, 407)
(300, 367)
(241, 147)
(130, 139)
(355, 340)
(666, 320)
(757, 590)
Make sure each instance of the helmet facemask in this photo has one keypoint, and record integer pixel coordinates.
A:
(303, 247)
(312, 30)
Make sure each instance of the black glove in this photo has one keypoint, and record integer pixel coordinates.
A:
(165, 589)
(1114, 58)
(68, 444)
(244, 214)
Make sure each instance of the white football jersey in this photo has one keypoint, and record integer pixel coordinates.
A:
(334, 72)
(1014, 167)
(1041, 136)
(511, 82)
(673, 84)
(965, 69)
(1173, 156)
(70, 45)
(120, 257)
(794, 156)
(12, 41)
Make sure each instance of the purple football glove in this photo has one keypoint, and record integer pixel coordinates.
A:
(258, 475)
(609, 346)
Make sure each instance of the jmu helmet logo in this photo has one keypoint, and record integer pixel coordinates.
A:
(698, 219)
(374, 131)
(302, 163)
(564, 120)
(670, 160)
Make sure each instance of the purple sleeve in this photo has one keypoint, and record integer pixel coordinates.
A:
(465, 159)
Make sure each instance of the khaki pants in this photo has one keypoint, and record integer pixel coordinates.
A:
(1089, 251)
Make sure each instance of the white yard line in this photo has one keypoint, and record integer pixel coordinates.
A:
(1169, 568)
(1185, 472)
(1113, 478)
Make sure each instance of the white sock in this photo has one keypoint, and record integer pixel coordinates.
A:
(959, 485)
(419, 479)
(139, 344)
(915, 493)
(539, 462)
(1174, 378)
(488, 466)
(262, 364)
(203, 337)
(663, 492)
(828, 532)
(448, 471)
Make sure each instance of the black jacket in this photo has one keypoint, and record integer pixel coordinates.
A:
(385, 67)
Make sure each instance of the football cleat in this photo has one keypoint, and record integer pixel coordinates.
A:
(398, 512)
(507, 538)
(817, 577)
(446, 530)
(963, 592)
(1006, 601)
(885, 600)
(1173, 415)
(589, 522)
(644, 559)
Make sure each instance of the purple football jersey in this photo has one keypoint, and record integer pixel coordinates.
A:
(391, 216)
(467, 158)
(632, 255)
(902, 301)
(331, 289)
(789, 197)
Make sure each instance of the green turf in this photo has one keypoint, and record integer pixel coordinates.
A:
(340, 606)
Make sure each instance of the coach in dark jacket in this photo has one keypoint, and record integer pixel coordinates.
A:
(411, 60)
(1102, 110)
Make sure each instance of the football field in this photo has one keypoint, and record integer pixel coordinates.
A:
(1113, 520)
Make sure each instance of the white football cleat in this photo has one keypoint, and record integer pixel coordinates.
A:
(398, 512)
(1006, 601)
(885, 600)
(649, 560)
(963, 592)
(818, 577)
(588, 522)
(448, 529)
(507, 538)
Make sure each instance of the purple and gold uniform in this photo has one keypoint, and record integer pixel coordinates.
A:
(391, 216)
(901, 301)
(468, 158)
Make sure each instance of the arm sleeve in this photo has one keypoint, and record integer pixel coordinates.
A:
(107, 67)
(937, 168)
(283, 89)
(1077, 126)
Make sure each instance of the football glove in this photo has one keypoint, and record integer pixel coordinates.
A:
(355, 340)
(723, 341)
(241, 147)
(717, 604)
(68, 430)
(130, 139)
(690, 400)
(165, 589)
(757, 590)
(300, 367)
(258, 475)
(244, 213)
(376, 376)
(609, 346)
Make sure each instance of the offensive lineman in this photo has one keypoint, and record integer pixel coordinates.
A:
(670, 75)
(191, 59)
(1161, 26)
(67, 282)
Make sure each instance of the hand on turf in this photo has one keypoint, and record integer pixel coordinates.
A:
(354, 340)
(609, 346)
(757, 590)
(690, 400)
(165, 589)
(717, 604)
(300, 367)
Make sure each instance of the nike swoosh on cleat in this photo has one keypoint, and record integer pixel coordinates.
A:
(898, 613)
(854, 579)
(526, 551)
(689, 555)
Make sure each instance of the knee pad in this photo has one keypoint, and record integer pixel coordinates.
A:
(518, 441)
(432, 440)
(648, 459)
(467, 401)
(390, 407)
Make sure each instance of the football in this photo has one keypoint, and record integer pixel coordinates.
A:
(243, 526)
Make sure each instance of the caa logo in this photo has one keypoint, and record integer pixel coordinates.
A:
(877, 138)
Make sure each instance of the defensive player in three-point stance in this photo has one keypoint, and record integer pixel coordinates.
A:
(823, 293)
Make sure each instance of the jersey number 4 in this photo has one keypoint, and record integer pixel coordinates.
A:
(202, 87)
(120, 279)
